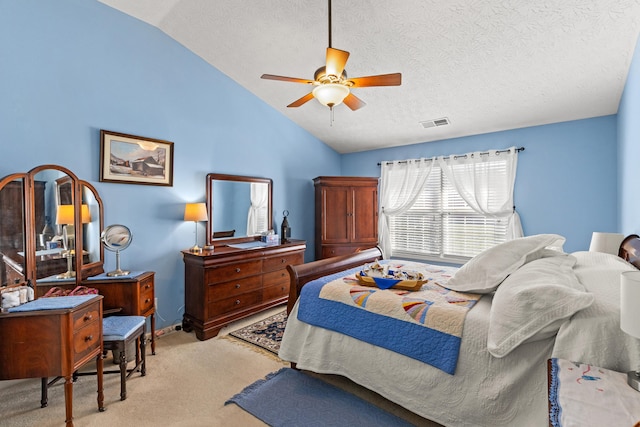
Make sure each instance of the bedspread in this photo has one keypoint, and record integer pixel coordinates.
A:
(425, 325)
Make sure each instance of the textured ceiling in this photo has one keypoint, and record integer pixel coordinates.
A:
(486, 65)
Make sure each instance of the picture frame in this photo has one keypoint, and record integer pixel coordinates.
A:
(131, 159)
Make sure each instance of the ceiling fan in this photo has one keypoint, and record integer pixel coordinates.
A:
(332, 86)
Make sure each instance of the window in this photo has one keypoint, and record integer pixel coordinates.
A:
(439, 224)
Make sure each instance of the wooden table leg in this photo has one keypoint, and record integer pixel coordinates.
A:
(153, 334)
(99, 373)
(68, 400)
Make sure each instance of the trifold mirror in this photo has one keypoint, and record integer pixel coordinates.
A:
(50, 224)
(239, 208)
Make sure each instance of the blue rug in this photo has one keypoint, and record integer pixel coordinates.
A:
(291, 398)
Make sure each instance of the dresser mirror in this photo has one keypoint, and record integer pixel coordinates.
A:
(50, 224)
(239, 207)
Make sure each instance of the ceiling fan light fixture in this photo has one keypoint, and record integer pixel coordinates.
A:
(330, 94)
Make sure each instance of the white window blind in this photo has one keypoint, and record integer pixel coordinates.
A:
(440, 225)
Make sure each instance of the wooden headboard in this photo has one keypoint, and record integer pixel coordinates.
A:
(630, 250)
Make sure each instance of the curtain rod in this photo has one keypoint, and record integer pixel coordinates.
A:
(463, 155)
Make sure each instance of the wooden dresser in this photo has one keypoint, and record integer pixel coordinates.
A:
(346, 215)
(227, 284)
(47, 341)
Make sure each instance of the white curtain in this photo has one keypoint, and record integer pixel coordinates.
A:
(474, 174)
(257, 217)
(400, 185)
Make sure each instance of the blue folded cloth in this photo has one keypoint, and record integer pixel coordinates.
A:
(52, 303)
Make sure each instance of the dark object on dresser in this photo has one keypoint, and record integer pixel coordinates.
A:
(229, 283)
(346, 215)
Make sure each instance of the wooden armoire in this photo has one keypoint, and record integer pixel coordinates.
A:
(346, 214)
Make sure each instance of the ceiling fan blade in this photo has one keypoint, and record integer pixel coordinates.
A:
(286, 79)
(394, 79)
(354, 102)
(299, 102)
(336, 60)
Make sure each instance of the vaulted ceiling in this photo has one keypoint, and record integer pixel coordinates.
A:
(485, 65)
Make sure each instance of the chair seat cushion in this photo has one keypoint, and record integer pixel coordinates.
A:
(118, 328)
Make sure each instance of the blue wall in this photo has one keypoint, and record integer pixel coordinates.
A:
(629, 151)
(566, 181)
(72, 67)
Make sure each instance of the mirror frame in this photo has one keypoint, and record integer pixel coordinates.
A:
(210, 208)
(7, 180)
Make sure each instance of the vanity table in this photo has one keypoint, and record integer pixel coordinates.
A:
(56, 340)
(53, 340)
(237, 276)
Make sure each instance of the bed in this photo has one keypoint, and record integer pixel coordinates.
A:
(536, 302)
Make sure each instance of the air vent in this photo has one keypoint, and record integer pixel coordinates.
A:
(434, 123)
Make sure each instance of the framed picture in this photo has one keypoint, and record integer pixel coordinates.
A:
(131, 159)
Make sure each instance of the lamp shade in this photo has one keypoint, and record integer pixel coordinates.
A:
(330, 94)
(629, 302)
(606, 242)
(64, 214)
(86, 214)
(195, 212)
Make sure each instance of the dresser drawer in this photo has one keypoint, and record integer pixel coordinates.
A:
(279, 277)
(234, 303)
(234, 271)
(86, 339)
(282, 261)
(275, 292)
(232, 288)
(82, 318)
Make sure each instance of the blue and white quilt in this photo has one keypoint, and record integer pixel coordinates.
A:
(425, 325)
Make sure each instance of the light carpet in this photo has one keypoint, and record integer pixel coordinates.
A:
(309, 402)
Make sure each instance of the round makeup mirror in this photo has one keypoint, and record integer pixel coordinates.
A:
(116, 238)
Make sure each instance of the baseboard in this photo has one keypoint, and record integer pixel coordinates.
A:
(166, 330)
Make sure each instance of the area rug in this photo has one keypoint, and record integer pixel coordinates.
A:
(292, 398)
(266, 333)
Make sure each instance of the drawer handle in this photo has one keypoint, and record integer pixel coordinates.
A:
(88, 317)
(237, 285)
(147, 286)
(282, 274)
(283, 260)
(88, 338)
(237, 269)
(147, 300)
(237, 301)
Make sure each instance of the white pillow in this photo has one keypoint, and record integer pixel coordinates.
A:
(533, 302)
(484, 272)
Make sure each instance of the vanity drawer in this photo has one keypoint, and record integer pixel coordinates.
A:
(280, 277)
(84, 317)
(281, 262)
(232, 288)
(234, 303)
(86, 339)
(234, 271)
(275, 292)
(147, 295)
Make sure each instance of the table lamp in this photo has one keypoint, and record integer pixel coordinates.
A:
(630, 315)
(195, 212)
(605, 242)
(65, 217)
